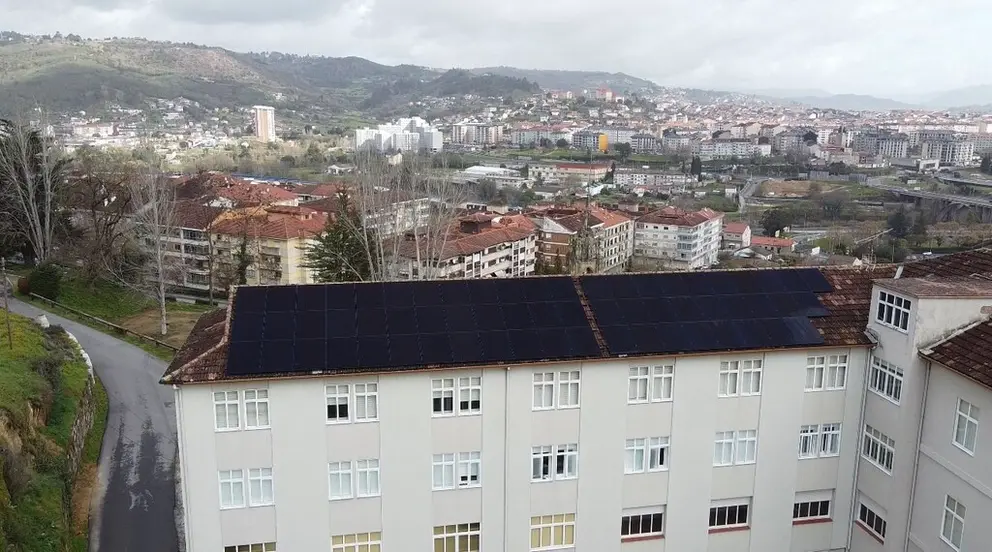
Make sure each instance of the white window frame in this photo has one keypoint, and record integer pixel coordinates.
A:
(253, 547)
(729, 378)
(723, 448)
(879, 449)
(643, 515)
(541, 457)
(469, 464)
(367, 402)
(550, 527)
(638, 385)
(443, 464)
(826, 372)
(658, 452)
(235, 482)
(662, 382)
(259, 398)
(740, 445)
(893, 311)
(338, 395)
(462, 536)
(830, 439)
(544, 382)
(635, 455)
(733, 505)
(885, 380)
(746, 447)
(569, 388)
(966, 417)
(566, 461)
(819, 440)
(750, 378)
(469, 392)
(814, 503)
(342, 471)
(954, 513)
(868, 510)
(809, 441)
(357, 542)
(259, 477)
(368, 474)
(443, 389)
(223, 400)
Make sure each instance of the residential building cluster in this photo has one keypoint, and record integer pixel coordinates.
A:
(405, 135)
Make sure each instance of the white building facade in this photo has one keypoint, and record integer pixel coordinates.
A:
(679, 239)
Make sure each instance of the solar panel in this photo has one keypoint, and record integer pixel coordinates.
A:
(312, 298)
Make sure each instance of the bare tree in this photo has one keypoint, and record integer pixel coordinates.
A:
(33, 171)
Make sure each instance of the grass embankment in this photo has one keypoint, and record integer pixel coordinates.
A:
(41, 384)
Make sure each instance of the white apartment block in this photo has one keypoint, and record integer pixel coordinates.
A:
(679, 239)
(854, 439)
(982, 141)
(949, 152)
(407, 134)
(630, 178)
(264, 119)
(483, 134)
(725, 149)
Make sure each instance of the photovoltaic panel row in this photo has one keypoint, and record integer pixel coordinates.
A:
(610, 312)
(714, 335)
(694, 284)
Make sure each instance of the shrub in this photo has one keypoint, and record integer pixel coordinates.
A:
(23, 286)
(46, 280)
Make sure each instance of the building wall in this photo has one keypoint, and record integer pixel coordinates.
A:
(299, 445)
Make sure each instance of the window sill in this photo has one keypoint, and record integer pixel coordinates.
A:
(259, 428)
(871, 533)
(811, 521)
(225, 508)
(378, 495)
(227, 430)
(884, 396)
(641, 538)
(338, 422)
(262, 505)
(735, 528)
(962, 448)
(368, 421)
(337, 498)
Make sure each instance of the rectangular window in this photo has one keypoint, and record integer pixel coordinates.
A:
(257, 547)
(463, 537)
(444, 471)
(337, 403)
(885, 379)
(878, 449)
(443, 396)
(952, 528)
(812, 505)
(809, 437)
(366, 402)
(826, 373)
(750, 377)
(830, 439)
(567, 461)
(637, 385)
(747, 446)
(470, 395)
(256, 408)
(735, 447)
(232, 489)
(636, 451)
(966, 426)
(368, 477)
(893, 311)
(554, 531)
(544, 390)
(361, 542)
(568, 389)
(729, 372)
(871, 519)
(662, 382)
(658, 453)
(723, 451)
(643, 524)
(260, 488)
(469, 469)
(339, 475)
(541, 460)
(226, 410)
(730, 514)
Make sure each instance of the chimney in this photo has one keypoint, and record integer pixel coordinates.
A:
(898, 273)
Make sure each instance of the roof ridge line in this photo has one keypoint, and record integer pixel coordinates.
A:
(604, 350)
(928, 349)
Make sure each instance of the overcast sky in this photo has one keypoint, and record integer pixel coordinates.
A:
(896, 48)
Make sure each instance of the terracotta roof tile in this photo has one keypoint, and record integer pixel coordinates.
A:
(197, 359)
(678, 217)
(968, 352)
(190, 214)
(768, 241)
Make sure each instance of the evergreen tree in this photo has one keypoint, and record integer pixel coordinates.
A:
(696, 167)
(899, 223)
(986, 164)
(340, 253)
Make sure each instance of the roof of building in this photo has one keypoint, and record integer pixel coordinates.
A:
(768, 241)
(270, 226)
(939, 287)
(839, 315)
(967, 352)
(678, 217)
(190, 214)
(735, 227)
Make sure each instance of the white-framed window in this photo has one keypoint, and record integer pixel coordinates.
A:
(658, 453)
(470, 395)
(893, 311)
(260, 489)
(662, 382)
(871, 518)
(366, 402)
(256, 408)
(952, 527)
(812, 505)
(360, 542)
(464, 537)
(966, 426)
(226, 411)
(544, 390)
(232, 489)
(878, 448)
(542, 461)
(729, 372)
(723, 449)
(443, 396)
(750, 377)
(339, 478)
(568, 389)
(885, 379)
(443, 471)
(826, 372)
(730, 513)
(636, 453)
(740, 378)
(747, 446)
(337, 403)
(255, 547)
(817, 441)
(469, 469)
(643, 522)
(567, 461)
(368, 477)
(553, 531)
(638, 382)
(830, 439)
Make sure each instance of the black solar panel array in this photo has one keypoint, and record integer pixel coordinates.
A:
(706, 311)
(406, 325)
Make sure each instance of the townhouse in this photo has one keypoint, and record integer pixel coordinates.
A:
(583, 238)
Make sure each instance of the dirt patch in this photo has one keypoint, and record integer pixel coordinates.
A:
(82, 491)
(794, 188)
(148, 323)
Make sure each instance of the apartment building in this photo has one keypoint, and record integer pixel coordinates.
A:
(481, 134)
(479, 245)
(629, 178)
(583, 239)
(982, 141)
(953, 152)
(730, 147)
(675, 238)
(587, 172)
(526, 137)
(406, 134)
(264, 119)
(644, 143)
(590, 140)
(189, 246)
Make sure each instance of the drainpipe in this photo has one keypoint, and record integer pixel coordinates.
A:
(857, 450)
(916, 458)
(184, 481)
(506, 453)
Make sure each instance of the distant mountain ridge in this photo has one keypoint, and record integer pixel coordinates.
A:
(575, 81)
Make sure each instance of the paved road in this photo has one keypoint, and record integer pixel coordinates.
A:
(132, 508)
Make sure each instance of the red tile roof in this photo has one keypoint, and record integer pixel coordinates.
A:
(674, 216)
(735, 227)
(270, 227)
(967, 352)
(190, 214)
(459, 243)
(768, 241)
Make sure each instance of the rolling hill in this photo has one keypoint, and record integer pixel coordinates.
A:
(573, 80)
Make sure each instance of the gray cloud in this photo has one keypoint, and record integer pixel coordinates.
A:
(884, 47)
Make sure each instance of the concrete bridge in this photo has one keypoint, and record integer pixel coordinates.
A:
(946, 207)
